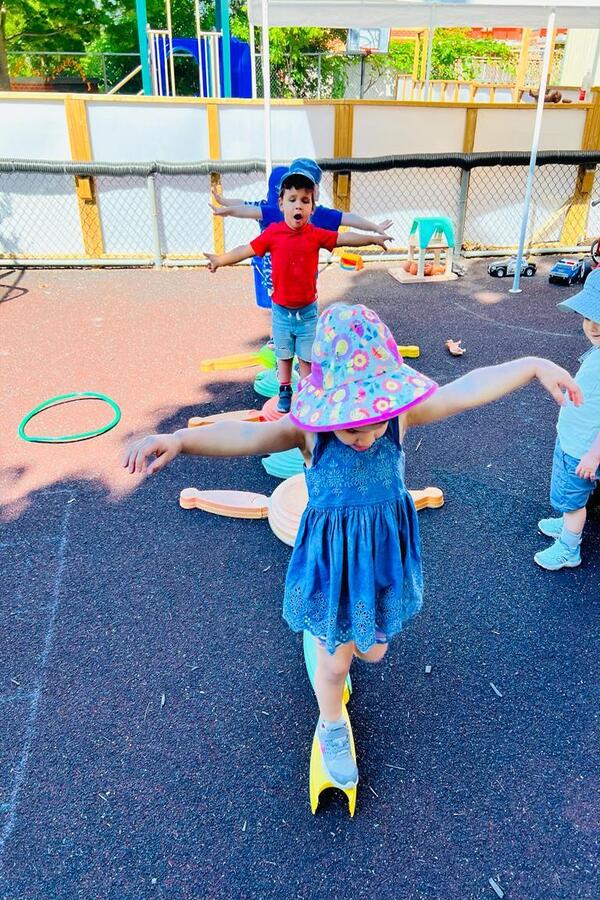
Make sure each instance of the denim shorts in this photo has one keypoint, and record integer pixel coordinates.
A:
(568, 491)
(294, 330)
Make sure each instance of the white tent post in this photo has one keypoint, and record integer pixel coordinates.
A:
(265, 57)
(515, 289)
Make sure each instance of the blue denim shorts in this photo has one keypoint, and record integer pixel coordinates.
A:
(568, 491)
(294, 330)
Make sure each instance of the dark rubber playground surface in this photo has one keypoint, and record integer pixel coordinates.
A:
(156, 717)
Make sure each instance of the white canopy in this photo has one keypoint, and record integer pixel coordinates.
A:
(418, 13)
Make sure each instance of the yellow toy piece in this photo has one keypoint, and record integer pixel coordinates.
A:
(237, 361)
(411, 351)
(264, 357)
(319, 777)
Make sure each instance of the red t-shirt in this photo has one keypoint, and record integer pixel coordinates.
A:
(295, 260)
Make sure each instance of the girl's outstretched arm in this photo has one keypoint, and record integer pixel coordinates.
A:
(152, 453)
(485, 385)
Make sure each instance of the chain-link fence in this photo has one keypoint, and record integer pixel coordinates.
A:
(153, 214)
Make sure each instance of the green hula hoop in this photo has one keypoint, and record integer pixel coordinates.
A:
(67, 438)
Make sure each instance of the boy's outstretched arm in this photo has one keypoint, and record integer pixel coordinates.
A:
(216, 260)
(354, 239)
(223, 201)
(485, 385)
(351, 220)
(152, 453)
(239, 211)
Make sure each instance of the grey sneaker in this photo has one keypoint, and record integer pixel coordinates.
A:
(558, 556)
(552, 528)
(337, 755)
(285, 398)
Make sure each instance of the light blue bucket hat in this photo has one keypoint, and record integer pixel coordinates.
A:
(587, 301)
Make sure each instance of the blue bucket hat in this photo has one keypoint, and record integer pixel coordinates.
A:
(305, 167)
(587, 301)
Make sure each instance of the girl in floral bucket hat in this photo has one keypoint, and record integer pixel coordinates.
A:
(354, 577)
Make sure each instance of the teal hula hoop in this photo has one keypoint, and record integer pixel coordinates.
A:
(67, 438)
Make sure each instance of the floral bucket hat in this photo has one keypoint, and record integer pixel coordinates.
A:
(358, 376)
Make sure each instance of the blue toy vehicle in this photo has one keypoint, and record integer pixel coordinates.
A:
(568, 271)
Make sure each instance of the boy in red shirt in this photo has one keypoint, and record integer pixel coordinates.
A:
(294, 246)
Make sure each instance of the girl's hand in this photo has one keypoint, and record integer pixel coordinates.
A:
(556, 380)
(213, 261)
(383, 226)
(381, 239)
(219, 210)
(164, 447)
(588, 466)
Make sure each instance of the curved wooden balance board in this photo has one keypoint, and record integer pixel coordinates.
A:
(238, 504)
(289, 499)
(283, 509)
(238, 415)
(319, 779)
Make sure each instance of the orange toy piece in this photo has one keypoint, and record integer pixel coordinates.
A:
(269, 411)
(455, 347)
(428, 498)
(238, 415)
(238, 504)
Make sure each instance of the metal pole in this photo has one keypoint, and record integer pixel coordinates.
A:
(222, 22)
(154, 221)
(515, 289)
(252, 43)
(171, 60)
(462, 207)
(266, 70)
(201, 90)
(104, 72)
(153, 67)
(429, 55)
(319, 76)
(142, 24)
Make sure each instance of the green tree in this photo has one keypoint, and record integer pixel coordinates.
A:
(46, 25)
(453, 45)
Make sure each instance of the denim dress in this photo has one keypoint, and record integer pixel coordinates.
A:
(355, 572)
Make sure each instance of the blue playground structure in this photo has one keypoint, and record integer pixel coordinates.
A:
(212, 77)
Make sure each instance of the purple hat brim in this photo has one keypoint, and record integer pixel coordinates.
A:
(371, 420)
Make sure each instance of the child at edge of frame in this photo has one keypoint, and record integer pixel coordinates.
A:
(576, 461)
(355, 576)
(294, 246)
